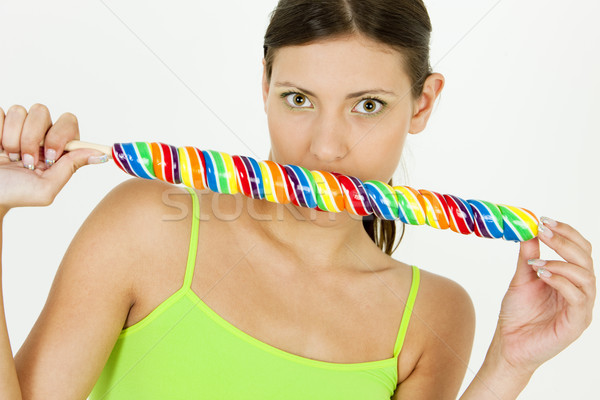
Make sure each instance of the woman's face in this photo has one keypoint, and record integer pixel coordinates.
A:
(340, 105)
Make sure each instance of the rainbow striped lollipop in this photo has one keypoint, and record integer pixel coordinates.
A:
(322, 190)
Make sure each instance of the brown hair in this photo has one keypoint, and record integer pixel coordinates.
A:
(402, 24)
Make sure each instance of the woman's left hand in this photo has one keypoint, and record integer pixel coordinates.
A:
(540, 316)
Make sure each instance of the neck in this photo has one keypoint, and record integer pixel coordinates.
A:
(316, 239)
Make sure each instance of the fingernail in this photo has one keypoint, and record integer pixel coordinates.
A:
(548, 221)
(28, 161)
(537, 262)
(543, 272)
(14, 157)
(50, 155)
(546, 232)
(98, 159)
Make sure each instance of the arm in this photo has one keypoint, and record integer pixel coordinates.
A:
(90, 297)
(88, 302)
(86, 308)
(94, 287)
(443, 326)
(37, 185)
(496, 379)
(9, 384)
(558, 309)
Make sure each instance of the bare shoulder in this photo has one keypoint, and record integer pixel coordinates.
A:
(144, 200)
(436, 294)
(441, 334)
(149, 223)
(94, 289)
(138, 219)
(440, 295)
(447, 309)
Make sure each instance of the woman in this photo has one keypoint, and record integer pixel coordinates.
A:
(281, 303)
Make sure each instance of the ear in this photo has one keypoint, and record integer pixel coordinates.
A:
(265, 85)
(424, 105)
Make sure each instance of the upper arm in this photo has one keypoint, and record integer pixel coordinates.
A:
(446, 324)
(89, 299)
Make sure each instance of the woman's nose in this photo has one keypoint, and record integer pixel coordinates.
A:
(330, 138)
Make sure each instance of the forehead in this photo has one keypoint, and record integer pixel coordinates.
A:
(347, 61)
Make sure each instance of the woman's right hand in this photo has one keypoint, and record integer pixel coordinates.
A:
(30, 175)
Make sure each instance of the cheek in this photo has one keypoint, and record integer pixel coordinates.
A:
(379, 162)
(288, 137)
(378, 154)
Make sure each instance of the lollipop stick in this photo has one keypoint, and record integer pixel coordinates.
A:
(78, 144)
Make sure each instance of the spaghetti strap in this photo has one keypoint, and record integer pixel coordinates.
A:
(191, 261)
(410, 301)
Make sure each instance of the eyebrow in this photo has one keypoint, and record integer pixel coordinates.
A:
(349, 96)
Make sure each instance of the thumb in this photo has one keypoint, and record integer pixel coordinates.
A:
(528, 249)
(64, 168)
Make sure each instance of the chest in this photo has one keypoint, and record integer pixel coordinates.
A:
(328, 316)
(340, 319)
(317, 320)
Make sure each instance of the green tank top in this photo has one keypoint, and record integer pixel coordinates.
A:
(184, 350)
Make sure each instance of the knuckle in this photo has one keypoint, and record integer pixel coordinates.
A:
(590, 262)
(28, 143)
(70, 117)
(588, 318)
(589, 283)
(580, 299)
(17, 109)
(39, 108)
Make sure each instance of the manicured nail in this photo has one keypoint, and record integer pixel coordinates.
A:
(50, 155)
(537, 262)
(28, 161)
(98, 159)
(543, 272)
(14, 157)
(548, 221)
(546, 232)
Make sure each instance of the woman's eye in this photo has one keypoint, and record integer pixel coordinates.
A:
(369, 106)
(298, 100)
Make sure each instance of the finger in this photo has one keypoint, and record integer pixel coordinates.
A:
(66, 166)
(529, 249)
(65, 129)
(11, 134)
(36, 125)
(573, 295)
(567, 231)
(565, 247)
(580, 277)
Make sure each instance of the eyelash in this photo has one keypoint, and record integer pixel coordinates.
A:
(382, 102)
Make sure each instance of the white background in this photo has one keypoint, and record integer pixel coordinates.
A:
(514, 125)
